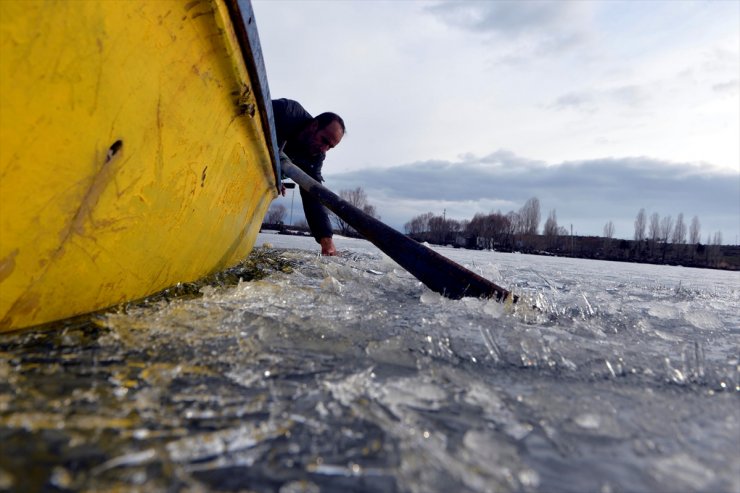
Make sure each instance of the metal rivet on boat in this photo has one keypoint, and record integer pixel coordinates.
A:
(113, 149)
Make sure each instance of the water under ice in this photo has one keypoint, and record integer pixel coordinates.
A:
(345, 374)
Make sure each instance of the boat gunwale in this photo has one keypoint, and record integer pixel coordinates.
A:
(242, 18)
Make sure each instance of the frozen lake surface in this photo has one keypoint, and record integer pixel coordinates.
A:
(345, 374)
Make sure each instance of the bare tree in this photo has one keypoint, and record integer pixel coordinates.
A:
(609, 230)
(515, 223)
(418, 224)
(640, 225)
(438, 229)
(453, 228)
(551, 225)
(550, 230)
(530, 215)
(276, 214)
(608, 235)
(666, 227)
(654, 231)
(490, 230)
(679, 235)
(479, 228)
(695, 231)
(502, 229)
(679, 231)
(358, 198)
(715, 250)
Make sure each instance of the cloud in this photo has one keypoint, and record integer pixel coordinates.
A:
(584, 193)
(420, 83)
(582, 100)
(512, 17)
(729, 88)
(536, 27)
(415, 81)
(628, 96)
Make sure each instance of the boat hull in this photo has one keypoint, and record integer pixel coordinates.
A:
(136, 151)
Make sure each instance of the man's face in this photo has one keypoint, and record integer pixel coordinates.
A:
(319, 141)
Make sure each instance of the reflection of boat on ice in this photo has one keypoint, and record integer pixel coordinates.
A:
(136, 150)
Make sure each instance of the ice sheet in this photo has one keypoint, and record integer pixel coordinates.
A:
(347, 374)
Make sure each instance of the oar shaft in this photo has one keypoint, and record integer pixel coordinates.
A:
(438, 273)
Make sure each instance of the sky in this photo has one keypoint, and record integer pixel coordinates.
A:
(597, 108)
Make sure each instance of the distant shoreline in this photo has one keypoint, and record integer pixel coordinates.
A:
(716, 257)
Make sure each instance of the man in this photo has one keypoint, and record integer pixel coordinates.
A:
(306, 140)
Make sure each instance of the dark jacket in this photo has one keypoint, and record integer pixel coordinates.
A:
(290, 119)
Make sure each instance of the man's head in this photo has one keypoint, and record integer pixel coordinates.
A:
(324, 132)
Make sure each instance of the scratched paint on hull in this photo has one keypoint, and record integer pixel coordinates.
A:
(132, 156)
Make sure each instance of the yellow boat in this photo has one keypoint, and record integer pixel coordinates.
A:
(136, 149)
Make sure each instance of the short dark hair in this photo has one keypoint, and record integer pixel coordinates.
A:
(325, 119)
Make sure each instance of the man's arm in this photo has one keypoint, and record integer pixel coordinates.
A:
(319, 223)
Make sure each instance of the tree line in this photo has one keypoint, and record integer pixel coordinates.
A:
(656, 239)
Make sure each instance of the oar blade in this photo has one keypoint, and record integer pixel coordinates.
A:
(437, 272)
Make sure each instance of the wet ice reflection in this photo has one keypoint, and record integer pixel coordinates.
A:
(346, 374)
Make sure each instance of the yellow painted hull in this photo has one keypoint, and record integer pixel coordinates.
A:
(135, 151)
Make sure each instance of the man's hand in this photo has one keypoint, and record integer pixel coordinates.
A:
(284, 185)
(327, 246)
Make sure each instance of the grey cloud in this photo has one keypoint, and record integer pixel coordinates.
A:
(729, 87)
(575, 100)
(720, 60)
(531, 29)
(507, 17)
(585, 193)
(631, 95)
(590, 101)
(561, 42)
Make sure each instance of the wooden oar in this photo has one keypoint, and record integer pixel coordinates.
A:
(439, 273)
